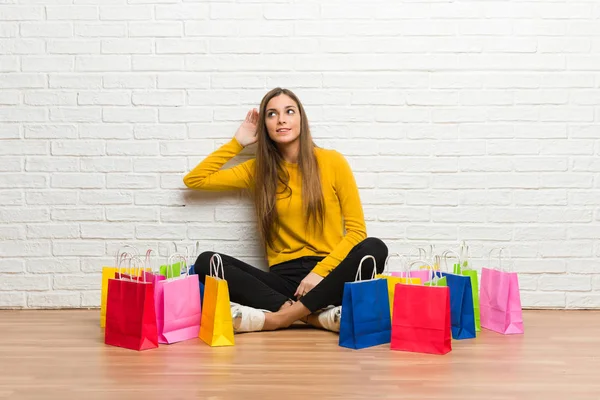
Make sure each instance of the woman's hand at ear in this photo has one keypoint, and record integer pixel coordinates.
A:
(246, 133)
(308, 283)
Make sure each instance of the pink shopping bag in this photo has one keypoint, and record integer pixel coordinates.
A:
(500, 300)
(177, 302)
(424, 273)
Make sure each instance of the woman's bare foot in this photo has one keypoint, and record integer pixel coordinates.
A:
(248, 319)
(286, 316)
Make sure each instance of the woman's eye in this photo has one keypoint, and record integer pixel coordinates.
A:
(270, 114)
(290, 111)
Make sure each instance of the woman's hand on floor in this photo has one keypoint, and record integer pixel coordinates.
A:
(310, 281)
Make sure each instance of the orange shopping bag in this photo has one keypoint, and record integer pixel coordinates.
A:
(216, 327)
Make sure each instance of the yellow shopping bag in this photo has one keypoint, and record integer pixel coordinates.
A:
(216, 325)
(110, 272)
(391, 283)
(393, 280)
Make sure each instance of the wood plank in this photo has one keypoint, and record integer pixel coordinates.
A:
(60, 354)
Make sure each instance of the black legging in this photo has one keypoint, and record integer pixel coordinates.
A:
(253, 287)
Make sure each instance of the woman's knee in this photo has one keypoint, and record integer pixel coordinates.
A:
(202, 264)
(377, 248)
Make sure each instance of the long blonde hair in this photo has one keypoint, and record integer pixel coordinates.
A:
(270, 172)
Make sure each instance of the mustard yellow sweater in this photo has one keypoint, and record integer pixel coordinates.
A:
(343, 209)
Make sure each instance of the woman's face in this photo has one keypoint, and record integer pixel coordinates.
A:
(282, 118)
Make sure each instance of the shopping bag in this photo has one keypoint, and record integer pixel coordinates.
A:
(461, 306)
(437, 281)
(500, 299)
(393, 280)
(365, 312)
(461, 302)
(149, 274)
(421, 274)
(435, 276)
(391, 284)
(427, 273)
(170, 271)
(109, 273)
(192, 270)
(464, 268)
(216, 328)
(178, 309)
(130, 313)
(421, 320)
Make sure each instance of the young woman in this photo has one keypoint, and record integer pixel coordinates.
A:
(310, 220)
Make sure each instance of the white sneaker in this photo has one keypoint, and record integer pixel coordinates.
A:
(330, 318)
(247, 319)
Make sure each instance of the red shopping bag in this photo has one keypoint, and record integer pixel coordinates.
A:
(108, 272)
(149, 274)
(130, 314)
(421, 320)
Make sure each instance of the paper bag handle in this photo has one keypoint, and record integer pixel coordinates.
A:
(170, 264)
(191, 258)
(214, 266)
(135, 271)
(426, 255)
(359, 269)
(196, 249)
(422, 255)
(187, 250)
(453, 254)
(122, 258)
(403, 258)
(408, 266)
(182, 266)
(138, 267)
(119, 252)
(426, 264)
(500, 250)
(465, 255)
(148, 261)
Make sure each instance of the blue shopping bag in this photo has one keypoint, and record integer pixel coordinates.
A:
(192, 271)
(366, 318)
(462, 313)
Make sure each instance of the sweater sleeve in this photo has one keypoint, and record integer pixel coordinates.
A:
(208, 174)
(352, 213)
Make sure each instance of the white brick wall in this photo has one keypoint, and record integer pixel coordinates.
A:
(461, 120)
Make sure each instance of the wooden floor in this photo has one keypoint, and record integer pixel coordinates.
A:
(61, 355)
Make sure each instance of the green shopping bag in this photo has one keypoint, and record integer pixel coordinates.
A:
(472, 274)
(170, 271)
(435, 276)
(463, 267)
(439, 281)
